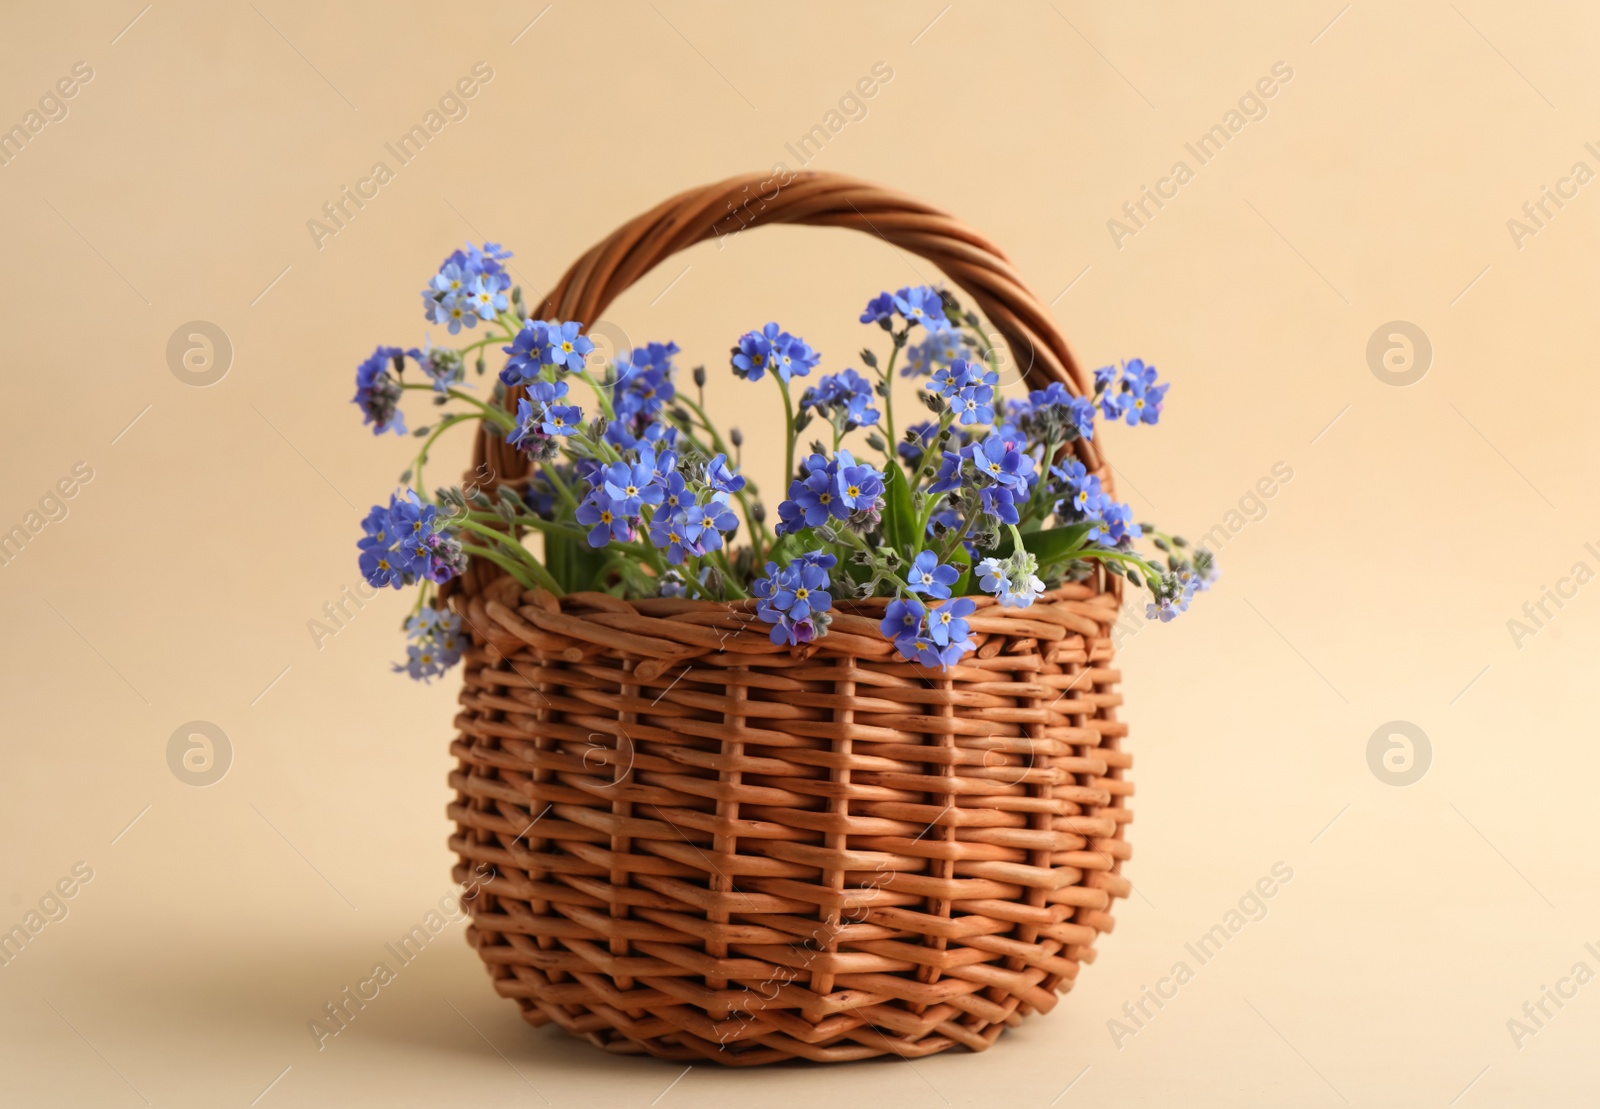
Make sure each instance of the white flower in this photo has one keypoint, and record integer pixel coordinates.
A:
(1014, 582)
(995, 579)
(1021, 594)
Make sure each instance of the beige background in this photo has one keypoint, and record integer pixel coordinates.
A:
(1376, 587)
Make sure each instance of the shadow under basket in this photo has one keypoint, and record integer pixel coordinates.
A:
(704, 846)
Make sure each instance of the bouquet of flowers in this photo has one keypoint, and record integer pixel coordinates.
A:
(641, 494)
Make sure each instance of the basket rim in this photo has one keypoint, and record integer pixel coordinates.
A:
(668, 607)
(668, 629)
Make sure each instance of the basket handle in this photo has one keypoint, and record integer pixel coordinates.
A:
(824, 200)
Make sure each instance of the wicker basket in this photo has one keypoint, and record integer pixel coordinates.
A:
(706, 846)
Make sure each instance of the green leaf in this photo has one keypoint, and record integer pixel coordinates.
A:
(574, 564)
(1056, 544)
(589, 565)
(1050, 546)
(852, 569)
(966, 583)
(558, 559)
(630, 575)
(784, 549)
(899, 518)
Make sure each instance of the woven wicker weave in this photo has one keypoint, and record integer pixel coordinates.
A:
(706, 846)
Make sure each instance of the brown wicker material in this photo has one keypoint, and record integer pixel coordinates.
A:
(707, 846)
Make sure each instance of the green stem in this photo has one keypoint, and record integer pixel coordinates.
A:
(422, 455)
(929, 504)
(599, 394)
(1109, 554)
(1041, 493)
(528, 577)
(966, 526)
(850, 538)
(888, 404)
(561, 486)
(548, 527)
(758, 533)
(487, 340)
(705, 422)
(523, 557)
(730, 580)
(490, 533)
(498, 415)
(925, 467)
(632, 574)
(422, 596)
(788, 429)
